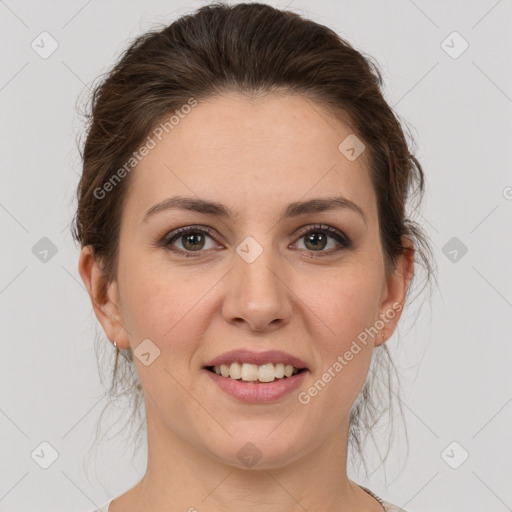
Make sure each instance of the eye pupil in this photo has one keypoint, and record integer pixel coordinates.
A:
(315, 237)
(315, 240)
(193, 237)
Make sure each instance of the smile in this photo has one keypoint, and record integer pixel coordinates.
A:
(257, 391)
(252, 372)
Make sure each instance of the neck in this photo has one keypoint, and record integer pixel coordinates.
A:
(181, 476)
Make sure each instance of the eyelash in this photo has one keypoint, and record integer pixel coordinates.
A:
(167, 240)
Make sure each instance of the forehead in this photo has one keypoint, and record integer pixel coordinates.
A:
(246, 152)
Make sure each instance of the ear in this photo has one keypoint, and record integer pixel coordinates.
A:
(104, 297)
(394, 292)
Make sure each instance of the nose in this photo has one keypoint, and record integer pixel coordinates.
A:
(257, 296)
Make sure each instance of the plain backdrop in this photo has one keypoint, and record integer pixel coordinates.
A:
(448, 72)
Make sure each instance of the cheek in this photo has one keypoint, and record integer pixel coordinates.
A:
(345, 308)
(168, 313)
(163, 306)
(346, 304)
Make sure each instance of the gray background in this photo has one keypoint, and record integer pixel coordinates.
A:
(455, 358)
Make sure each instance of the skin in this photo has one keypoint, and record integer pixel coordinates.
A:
(254, 156)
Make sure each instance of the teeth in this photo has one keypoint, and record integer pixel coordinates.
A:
(235, 371)
(252, 372)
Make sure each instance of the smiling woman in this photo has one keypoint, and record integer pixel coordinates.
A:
(252, 265)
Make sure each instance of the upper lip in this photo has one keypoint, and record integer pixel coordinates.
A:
(258, 358)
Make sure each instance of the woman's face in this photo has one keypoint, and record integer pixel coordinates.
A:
(268, 276)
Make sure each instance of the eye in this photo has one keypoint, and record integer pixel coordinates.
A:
(316, 239)
(191, 239)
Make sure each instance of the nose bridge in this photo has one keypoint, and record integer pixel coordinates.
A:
(256, 291)
(257, 265)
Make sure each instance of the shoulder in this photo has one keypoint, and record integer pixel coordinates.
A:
(103, 508)
(390, 507)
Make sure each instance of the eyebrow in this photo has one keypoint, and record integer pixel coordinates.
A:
(219, 210)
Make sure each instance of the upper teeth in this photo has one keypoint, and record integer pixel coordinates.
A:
(251, 372)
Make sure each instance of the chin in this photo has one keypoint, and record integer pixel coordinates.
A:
(255, 449)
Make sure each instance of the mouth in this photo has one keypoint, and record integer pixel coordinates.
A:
(245, 365)
(256, 374)
(256, 384)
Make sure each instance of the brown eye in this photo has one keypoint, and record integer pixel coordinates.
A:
(193, 241)
(190, 240)
(316, 239)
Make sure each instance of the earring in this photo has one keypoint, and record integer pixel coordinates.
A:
(115, 344)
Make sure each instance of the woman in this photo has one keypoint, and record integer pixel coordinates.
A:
(244, 239)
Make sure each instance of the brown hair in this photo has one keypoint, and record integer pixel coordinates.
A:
(254, 49)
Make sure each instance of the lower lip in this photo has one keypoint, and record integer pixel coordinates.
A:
(258, 392)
